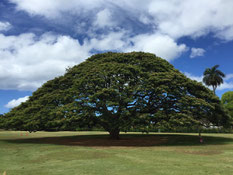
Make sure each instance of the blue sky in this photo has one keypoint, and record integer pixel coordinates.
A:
(39, 39)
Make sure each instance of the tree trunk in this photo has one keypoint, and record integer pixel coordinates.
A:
(199, 131)
(200, 137)
(114, 134)
(214, 89)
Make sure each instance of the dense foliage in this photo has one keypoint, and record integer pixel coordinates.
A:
(227, 101)
(118, 91)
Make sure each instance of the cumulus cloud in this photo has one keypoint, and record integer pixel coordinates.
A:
(226, 85)
(171, 17)
(104, 19)
(16, 102)
(226, 33)
(192, 18)
(197, 52)
(4, 26)
(228, 77)
(55, 8)
(110, 41)
(161, 45)
(27, 61)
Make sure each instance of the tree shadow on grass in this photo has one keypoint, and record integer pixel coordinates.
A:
(127, 140)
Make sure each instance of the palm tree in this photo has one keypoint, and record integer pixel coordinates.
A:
(213, 77)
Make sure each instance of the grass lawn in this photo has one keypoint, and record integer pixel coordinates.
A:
(92, 153)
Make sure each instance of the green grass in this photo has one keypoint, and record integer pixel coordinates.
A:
(92, 153)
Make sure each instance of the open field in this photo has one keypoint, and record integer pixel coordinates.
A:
(92, 153)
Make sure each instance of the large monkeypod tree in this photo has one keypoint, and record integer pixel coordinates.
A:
(118, 91)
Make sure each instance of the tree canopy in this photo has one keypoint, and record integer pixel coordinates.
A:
(213, 77)
(118, 91)
(227, 101)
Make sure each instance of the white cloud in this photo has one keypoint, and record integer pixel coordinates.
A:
(161, 45)
(197, 52)
(27, 61)
(193, 77)
(168, 21)
(226, 33)
(104, 19)
(226, 85)
(4, 26)
(145, 19)
(192, 18)
(175, 18)
(111, 41)
(16, 102)
(55, 8)
(228, 77)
